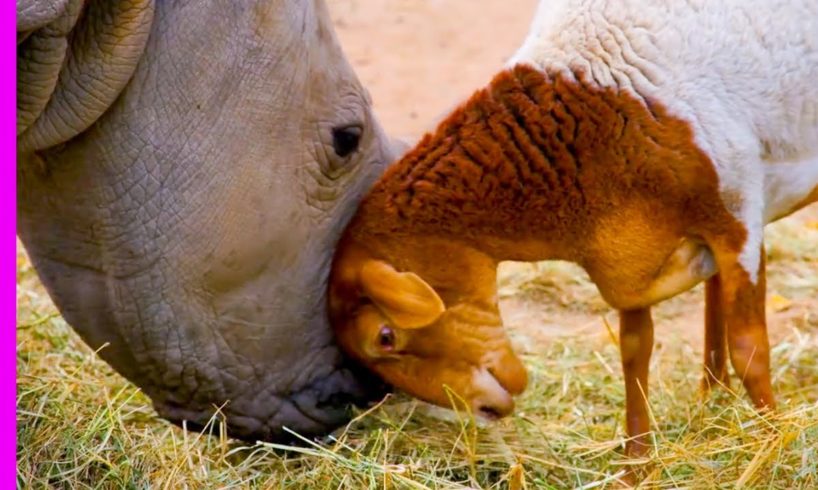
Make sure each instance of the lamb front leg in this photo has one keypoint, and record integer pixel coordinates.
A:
(636, 346)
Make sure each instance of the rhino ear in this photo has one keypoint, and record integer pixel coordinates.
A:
(406, 299)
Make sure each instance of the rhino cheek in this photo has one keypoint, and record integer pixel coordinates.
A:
(251, 333)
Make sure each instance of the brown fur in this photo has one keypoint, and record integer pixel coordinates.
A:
(543, 159)
(543, 166)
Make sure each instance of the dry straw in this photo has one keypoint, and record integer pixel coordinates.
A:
(80, 425)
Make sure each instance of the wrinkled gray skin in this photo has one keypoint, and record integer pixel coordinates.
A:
(180, 197)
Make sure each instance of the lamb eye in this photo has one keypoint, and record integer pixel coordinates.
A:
(386, 337)
(345, 139)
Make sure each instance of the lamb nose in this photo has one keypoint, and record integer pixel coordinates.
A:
(495, 409)
(489, 412)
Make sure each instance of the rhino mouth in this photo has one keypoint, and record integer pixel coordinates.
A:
(312, 411)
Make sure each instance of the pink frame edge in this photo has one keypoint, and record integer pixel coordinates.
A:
(8, 256)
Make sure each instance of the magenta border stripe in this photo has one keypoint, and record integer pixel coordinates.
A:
(8, 254)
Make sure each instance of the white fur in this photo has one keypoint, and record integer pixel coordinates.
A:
(744, 73)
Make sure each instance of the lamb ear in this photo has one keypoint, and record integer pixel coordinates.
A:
(404, 297)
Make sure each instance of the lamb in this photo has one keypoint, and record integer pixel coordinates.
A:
(647, 141)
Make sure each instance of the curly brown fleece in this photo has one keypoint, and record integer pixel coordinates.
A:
(534, 153)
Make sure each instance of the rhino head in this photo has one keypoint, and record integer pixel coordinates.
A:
(185, 169)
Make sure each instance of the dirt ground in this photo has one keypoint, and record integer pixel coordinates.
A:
(418, 58)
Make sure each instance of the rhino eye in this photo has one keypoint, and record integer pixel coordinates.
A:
(386, 338)
(345, 139)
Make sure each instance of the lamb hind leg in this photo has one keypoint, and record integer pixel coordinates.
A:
(715, 345)
(636, 346)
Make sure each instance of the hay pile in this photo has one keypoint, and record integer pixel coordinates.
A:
(80, 425)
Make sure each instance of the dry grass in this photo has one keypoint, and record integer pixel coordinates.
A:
(82, 426)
